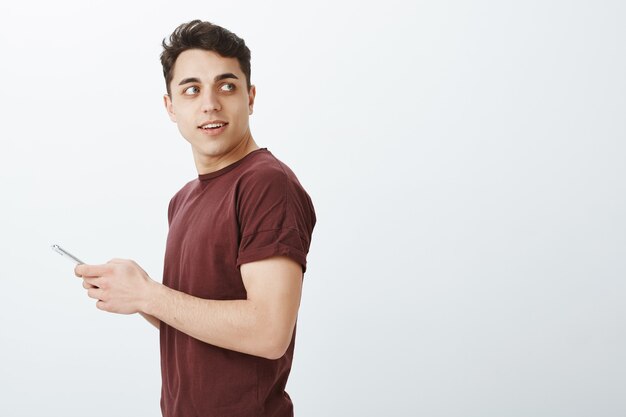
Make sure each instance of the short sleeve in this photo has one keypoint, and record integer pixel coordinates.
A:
(276, 217)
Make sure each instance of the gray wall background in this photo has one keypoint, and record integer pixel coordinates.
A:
(466, 160)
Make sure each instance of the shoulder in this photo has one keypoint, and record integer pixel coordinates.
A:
(270, 183)
(266, 170)
(275, 214)
(262, 167)
(183, 193)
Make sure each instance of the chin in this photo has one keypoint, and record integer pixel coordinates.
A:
(211, 150)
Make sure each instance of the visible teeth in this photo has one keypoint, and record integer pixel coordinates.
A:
(212, 125)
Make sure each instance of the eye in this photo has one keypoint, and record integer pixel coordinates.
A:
(231, 87)
(189, 91)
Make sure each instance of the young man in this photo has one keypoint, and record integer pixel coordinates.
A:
(236, 248)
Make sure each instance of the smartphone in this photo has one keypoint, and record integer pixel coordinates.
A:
(66, 254)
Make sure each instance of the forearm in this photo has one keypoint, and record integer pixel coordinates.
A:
(151, 319)
(231, 324)
(261, 325)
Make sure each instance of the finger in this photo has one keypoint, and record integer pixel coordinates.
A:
(94, 282)
(88, 285)
(83, 275)
(85, 270)
(95, 293)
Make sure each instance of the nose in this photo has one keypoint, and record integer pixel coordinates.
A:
(210, 102)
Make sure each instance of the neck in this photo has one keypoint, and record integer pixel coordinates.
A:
(207, 164)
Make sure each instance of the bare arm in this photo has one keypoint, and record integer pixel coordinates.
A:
(152, 320)
(261, 325)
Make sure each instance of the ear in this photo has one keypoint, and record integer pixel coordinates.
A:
(251, 96)
(169, 108)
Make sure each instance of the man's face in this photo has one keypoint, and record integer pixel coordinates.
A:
(207, 88)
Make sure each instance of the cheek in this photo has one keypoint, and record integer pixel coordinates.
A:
(186, 124)
(242, 112)
(186, 120)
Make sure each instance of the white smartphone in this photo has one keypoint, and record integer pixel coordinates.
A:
(66, 254)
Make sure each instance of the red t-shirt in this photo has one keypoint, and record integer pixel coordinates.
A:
(252, 209)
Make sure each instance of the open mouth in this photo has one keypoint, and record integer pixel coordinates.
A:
(213, 126)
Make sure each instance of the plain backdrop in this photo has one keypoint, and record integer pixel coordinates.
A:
(466, 160)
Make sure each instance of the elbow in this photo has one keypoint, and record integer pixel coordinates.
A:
(275, 353)
(274, 346)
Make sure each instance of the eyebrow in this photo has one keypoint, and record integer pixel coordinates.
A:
(216, 79)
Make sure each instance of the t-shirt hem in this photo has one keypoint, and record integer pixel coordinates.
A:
(276, 249)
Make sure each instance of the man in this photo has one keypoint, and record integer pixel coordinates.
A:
(236, 248)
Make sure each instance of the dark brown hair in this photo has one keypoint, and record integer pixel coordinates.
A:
(203, 35)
